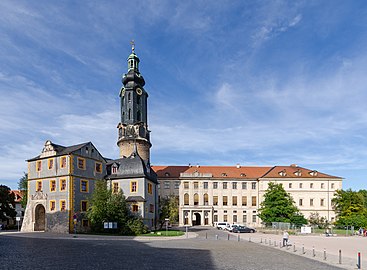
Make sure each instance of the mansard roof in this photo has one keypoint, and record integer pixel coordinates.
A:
(63, 150)
(130, 167)
(238, 172)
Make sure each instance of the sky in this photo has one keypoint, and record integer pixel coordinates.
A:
(259, 83)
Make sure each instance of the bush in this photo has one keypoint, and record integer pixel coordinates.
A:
(136, 226)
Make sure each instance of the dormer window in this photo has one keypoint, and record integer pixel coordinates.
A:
(242, 175)
(283, 173)
(298, 173)
(167, 174)
(224, 174)
(313, 173)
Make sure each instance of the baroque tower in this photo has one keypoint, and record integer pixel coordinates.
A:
(133, 128)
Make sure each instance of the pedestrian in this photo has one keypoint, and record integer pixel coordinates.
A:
(285, 238)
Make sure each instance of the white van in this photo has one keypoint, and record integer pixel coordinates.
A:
(222, 225)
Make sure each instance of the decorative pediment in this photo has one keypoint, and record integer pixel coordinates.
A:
(39, 195)
(48, 150)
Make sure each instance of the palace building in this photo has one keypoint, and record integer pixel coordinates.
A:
(61, 178)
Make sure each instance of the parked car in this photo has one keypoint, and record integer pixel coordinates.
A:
(243, 229)
(222, 225)
(230, 227)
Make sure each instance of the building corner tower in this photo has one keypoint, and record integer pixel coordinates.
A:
(133, 128)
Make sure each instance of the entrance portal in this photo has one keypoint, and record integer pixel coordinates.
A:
(197, 220)
(40, 218)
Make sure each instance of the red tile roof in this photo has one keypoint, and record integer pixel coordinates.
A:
(18, 195)
(216, 171)
(243, 172)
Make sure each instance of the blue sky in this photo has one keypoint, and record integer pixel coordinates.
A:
(250, 82)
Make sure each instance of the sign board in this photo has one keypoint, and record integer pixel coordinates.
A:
(105, 225)
(305, 229)
(17, 218)
(110, 225)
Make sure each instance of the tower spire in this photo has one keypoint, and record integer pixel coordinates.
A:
(132, 42)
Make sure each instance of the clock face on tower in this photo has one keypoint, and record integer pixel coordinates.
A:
(139, 91)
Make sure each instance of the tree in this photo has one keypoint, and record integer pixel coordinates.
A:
(7, 203)
(107, 206)
(316, 219)
(350, 208)
(278, 206)
(23, 187)
(168, 207)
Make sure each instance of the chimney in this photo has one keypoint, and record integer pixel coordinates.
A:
(238, 166)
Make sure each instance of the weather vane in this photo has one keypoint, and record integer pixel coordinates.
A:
(132, 42)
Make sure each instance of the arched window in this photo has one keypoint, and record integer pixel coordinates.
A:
(186, 199)
(138, 115)
(206, 199)
(129, 97)
(123, 100)
(196, 199)
(129, 114)
(123, 116)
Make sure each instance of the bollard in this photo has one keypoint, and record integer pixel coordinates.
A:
(187, 231)
(261, 240)
(340, 256)
(228, 237)
(280, 244)
(266, 241)
(206, 235)
(269, 242)
(275, 243)
(303, 249)
(313, 252)
(249, 239)
(216, 237)
(287, 246)
(238, 238)
(359, 261)
(294, 247)
(324, 254)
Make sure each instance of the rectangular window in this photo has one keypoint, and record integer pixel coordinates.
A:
(215, 185)
(224, 185)
(133, 186)
(244, 185)
(135, 208)
(98, 167)
(234, 200)
(150, 188)
(322, 185)
(300, 202)
(254, 218)
(205, 185)
(215, 200)
(39, 165)
(166, 184)
(85, 222)
(84, 206)
(151, 208)
(311, 185)
(62, 205)
(253, 185)
(225, 200)
(290, 185)
(186, 185)
(234, 185)
(225, 218)
(244, 219)
(84, 185)
(52, 185)
(196, 185)
(63, 162)
(311, 202)
(177, 184)
(186, 199)
(116, 187)
(300, 185)
(215, 218)
(253, 200)
(114, 169)
(244, 200)
(39, 185)
(52, 205)
(234, 218)
(81, 163)
(322, 202)
(62, 184)
(50, 163)
(332, 185)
